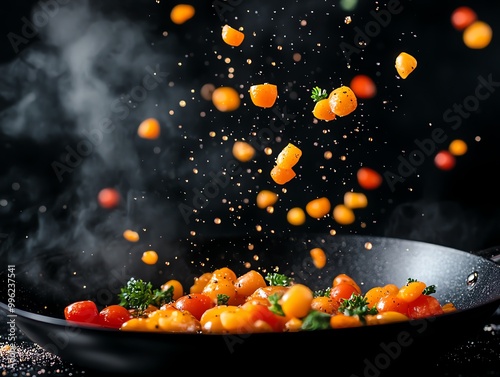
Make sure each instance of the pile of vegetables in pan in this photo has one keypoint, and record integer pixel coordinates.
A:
(221, 302)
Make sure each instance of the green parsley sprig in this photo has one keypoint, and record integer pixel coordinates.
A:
(139, 295)
(317, 94)
(276, 279)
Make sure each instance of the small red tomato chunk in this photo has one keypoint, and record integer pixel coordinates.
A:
(444, 160)
(462, 17)
(108, 198)
(194, 303)
(368, 178)
(114, 316)
(82, 311)
(341, 292)
(424, 306)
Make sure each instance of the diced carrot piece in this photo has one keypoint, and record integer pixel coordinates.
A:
(150, 257)
(323, 111)
(477, 35)
(289, 156)
(181, 13)
(318, 208)
(282, 175)
(232, 36)
(226, 99)
(296, 216)
(243, 151)
(266, 198)
(318, 256)
(405, 64)
(343, 101)
(263, 95)
(355, 199)
(343, 214)
(149, 129)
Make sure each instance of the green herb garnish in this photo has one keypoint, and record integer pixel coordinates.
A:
(278, 279)
(316, 320)
(356, 305)
(138, 295)
(222, 299)
(322, 292)
(317, 94)
(275, 307)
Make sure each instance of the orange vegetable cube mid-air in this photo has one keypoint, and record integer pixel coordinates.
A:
(289, 156)
(343, 214)
(405, 64)
(296, 216)
(181, 13)
(243, 151)
(263, 95)
(282, 175)
(232, 36)
(266, 198)
(323, 111)
(226, 99)
(149, 129)
(343, 101)
(477, 35)
(318, 208)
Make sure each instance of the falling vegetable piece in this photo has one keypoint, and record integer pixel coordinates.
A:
(282, 175)
(462, 17)
(263, 95)
(232, 36)
(343, 101)
(243, 151)
(368, 178)
(150, 257)
(226, 98)
(405, 64)
(289, 156)
(181, 13)
(444, 160)
(131, 235)
(108, 198)
(323, 111)
(457, 147)
(296, 216)
(149, 129)
(363, 86)
(477, 35)
(266, 198)
(355, 200)
(343, 214)
(318, 208)
(318, 256)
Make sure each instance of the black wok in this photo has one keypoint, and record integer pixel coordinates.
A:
(470, 281)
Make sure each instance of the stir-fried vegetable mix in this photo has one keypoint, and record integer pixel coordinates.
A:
(222, 302)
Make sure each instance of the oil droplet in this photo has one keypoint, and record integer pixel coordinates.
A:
(347, 20)
(328, 155)
(368, 246)
(217, 220)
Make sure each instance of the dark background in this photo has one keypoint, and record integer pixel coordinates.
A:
(65, 77)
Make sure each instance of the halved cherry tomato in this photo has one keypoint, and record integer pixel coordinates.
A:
(424, 306)
(341, 292)
(114, 316)
(392, 303)
(82, 311)
(195, 303)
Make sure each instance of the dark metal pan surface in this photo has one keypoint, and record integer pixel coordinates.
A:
(471, 282)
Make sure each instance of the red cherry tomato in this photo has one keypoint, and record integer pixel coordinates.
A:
(195, 303)
(424, 306)
(363, 86)
(342, 291)
(368, 178)
(462, 17)
(113, 316)
(444, 160)
(262, 313)
(108, 198)
(82, 311)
